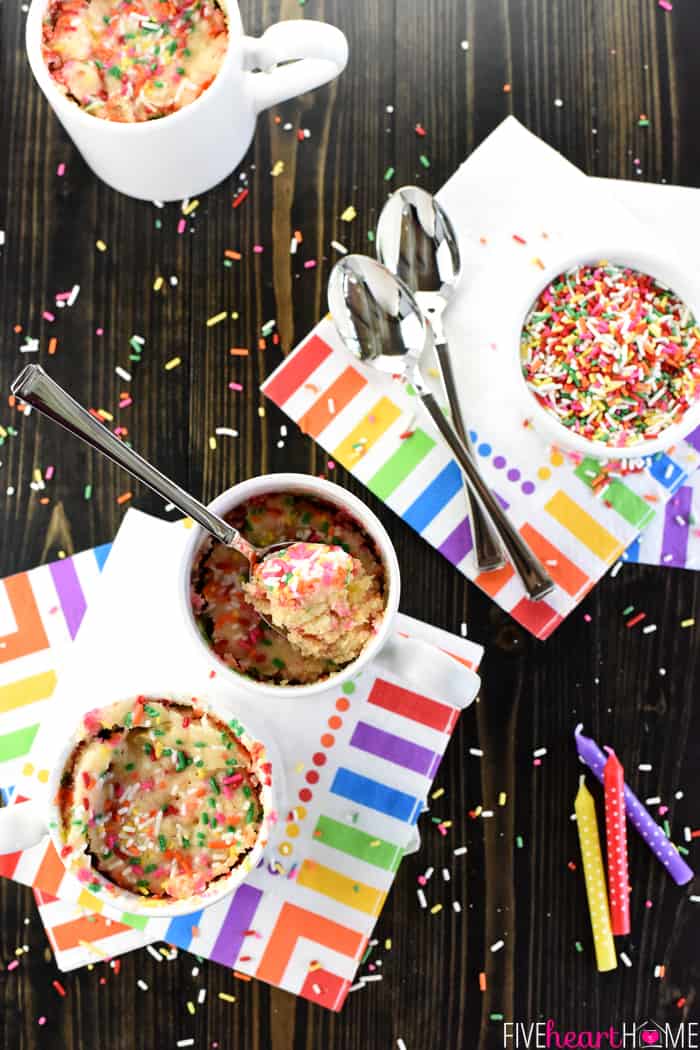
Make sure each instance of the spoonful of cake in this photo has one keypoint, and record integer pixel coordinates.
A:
(323, 581)
(321, 596)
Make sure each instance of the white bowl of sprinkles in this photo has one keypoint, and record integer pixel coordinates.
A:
(608, 353)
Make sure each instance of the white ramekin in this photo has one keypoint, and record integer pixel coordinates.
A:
(666, 270)
(26, 824)
(329, 493)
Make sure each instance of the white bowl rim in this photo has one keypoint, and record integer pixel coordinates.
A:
(322, 489)
(668, 272)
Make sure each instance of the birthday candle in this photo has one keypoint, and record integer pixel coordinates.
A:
(595, 879)
(616, 839)
(642, 819)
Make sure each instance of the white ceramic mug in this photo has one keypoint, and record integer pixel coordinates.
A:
(326, 491)
(193, 149)
(27, 824)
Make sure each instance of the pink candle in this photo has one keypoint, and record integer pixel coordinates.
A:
(616, 837)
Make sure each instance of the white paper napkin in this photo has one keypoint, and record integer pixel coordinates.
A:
(522, 214)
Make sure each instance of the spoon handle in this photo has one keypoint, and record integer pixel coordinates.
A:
(39, 390)
(487, 549)
(536, 581)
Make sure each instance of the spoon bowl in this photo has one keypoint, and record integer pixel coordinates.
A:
(417, 242)
(377, 315)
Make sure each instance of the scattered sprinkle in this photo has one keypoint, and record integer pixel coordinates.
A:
(217, 318)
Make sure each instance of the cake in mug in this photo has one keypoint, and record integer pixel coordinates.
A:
(327, 591)
(161, 797)
(133, 60)
(321, 597)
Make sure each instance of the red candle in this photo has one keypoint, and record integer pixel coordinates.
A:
(616, 836)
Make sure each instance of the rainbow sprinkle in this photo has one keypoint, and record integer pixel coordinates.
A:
(612, 353)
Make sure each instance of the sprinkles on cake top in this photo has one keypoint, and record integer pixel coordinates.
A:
(161, 798)
(612, 353)
(133, 60)
(303, 572)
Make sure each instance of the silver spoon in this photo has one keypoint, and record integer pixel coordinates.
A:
(417, 242)
(43, 393)
(381, 323)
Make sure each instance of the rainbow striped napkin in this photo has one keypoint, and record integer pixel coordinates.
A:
(673, 536)
(358, 764)
(511, 203)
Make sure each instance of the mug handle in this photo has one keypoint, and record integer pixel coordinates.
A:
(21, 826)
(323, 51)
(417, 662)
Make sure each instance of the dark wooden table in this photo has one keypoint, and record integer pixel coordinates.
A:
(608, 61)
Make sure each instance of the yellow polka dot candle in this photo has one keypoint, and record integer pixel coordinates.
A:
(596, 889)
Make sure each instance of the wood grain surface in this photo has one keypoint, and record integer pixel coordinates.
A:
(608, 61)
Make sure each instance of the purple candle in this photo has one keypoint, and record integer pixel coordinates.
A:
(653, 835)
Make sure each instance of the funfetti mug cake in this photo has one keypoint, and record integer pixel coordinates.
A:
(318, 610)
(135, 60)
(161, 96)
(161, 797)
(160, 804)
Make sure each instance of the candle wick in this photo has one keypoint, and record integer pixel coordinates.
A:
(608, 749)
(579, 729)
(582, 780)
